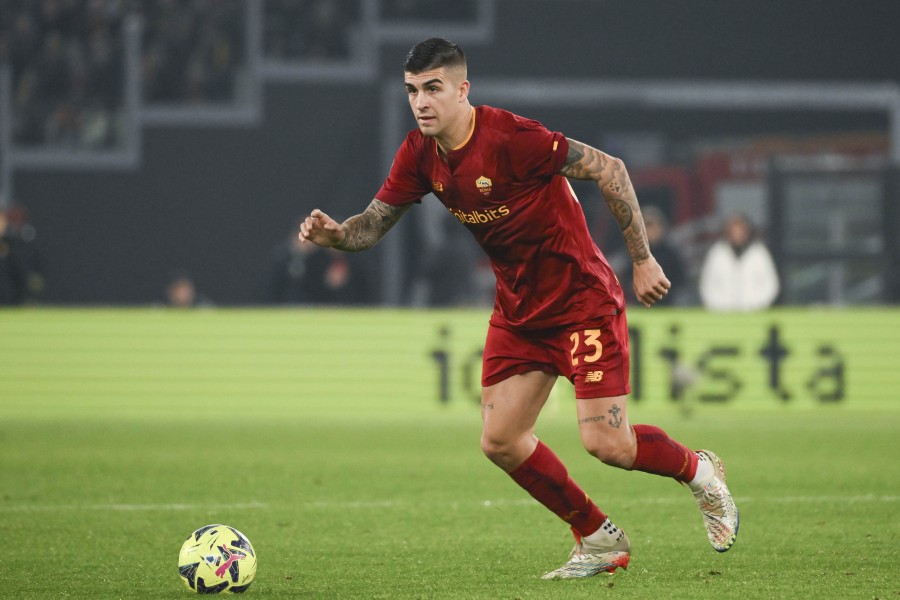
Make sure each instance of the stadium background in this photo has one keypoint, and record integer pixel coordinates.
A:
(200, 131)
(267, 117)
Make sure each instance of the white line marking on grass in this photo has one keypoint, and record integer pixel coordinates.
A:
(816, 499)
(127, 507)
(673, 499)
(679, 498)
(356, 504)
(405, 504)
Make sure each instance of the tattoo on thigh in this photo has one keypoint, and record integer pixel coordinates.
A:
(586, 420)
(614, 419)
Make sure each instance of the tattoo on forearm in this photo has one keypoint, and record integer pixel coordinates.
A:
(487, 405)
(584, 162)
(622, 212)
(636, 242)
(366, 229)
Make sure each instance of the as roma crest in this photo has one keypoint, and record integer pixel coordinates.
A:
(484, 185)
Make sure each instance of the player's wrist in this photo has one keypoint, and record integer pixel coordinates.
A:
(643, 259)
(343, 234)
(640, 261)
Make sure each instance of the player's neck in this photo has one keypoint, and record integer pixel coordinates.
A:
(457, 135)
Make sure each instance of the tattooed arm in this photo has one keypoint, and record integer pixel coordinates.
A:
(587, 163)
(359, 232)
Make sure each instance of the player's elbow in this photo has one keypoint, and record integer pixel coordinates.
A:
(612, 175)
(617, 166)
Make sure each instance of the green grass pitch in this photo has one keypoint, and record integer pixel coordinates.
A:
(121, 431)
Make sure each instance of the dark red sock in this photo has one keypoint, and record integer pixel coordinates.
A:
(659, 454)
(545, 477)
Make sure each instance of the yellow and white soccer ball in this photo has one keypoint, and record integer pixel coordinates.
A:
(217, 559)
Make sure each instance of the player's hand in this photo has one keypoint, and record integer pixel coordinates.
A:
(650, 283)
(321, 229)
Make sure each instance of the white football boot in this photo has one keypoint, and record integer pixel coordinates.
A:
(720, 515)
(589, 558)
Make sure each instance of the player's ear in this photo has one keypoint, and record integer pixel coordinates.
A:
(464, 90)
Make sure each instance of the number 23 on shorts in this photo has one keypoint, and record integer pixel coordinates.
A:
(591, 339)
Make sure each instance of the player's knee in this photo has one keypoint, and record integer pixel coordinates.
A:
(613, 451)
(502, 452)
(494, 448)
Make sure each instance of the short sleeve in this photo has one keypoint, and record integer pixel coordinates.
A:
(536, 152)
(403, 184)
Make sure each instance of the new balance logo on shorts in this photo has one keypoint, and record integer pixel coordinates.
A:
(593, 377)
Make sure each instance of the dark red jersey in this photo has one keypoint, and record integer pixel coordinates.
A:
(503, 185)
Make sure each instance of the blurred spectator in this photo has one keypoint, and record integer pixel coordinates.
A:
(68, 70)
(303, 273)
(328, 32)
(309, 29)
(21, 270)
(738, 273)
(429, 10)
(192, 50)
(66, 58)
(666, 254)
(181, 292)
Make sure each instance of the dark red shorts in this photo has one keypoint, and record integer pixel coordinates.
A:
(594, 357)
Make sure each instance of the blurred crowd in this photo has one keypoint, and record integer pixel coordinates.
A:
(322, 29)
(192, 50)
(67, 56)
(309, 29)
(67, 59)
(427, 10)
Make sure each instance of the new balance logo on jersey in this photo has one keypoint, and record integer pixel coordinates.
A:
(479, 216)
(593, 377)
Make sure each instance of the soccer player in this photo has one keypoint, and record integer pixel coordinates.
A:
(559, 308)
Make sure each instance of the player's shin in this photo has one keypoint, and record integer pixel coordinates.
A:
(544, 476)
(659, 454)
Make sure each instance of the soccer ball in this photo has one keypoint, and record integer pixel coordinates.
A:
(217, 559)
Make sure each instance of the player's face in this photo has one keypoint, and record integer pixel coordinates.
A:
(438, 99)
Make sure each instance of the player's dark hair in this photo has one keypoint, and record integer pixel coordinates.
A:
(432, 54)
